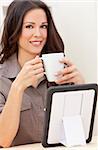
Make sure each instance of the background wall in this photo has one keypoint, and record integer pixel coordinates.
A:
(76, 21)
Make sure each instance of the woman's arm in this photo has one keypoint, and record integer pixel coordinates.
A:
(29, 75)
(9, 118)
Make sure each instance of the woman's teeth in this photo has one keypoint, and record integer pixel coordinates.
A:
(36, 43)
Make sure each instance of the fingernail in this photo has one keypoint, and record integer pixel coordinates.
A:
(37, 56)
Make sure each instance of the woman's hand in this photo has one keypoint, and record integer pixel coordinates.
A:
(30, 73)
(69, 74)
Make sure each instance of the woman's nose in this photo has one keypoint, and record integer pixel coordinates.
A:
(37, 32)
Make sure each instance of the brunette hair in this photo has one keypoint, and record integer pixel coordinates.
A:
(13, 27)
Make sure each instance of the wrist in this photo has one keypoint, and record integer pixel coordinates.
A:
(17, 86)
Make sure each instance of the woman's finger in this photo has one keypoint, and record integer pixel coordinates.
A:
(67, 77)
(37, 66)
(40, 75)
(66, 61)
(67, 70)
(74, 78)
(38, 71)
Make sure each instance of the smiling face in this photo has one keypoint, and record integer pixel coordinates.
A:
(34, 33)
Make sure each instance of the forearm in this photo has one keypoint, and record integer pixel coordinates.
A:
(9, 118)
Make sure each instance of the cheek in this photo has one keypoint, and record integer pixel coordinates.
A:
(45, 35)
(23, 39)
(25, 34)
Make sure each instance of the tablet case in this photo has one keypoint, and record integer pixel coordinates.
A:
(66, 88)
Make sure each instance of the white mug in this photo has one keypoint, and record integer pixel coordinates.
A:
(52, 65)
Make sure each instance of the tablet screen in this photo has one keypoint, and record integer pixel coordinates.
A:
(68, 101)
(66, 104)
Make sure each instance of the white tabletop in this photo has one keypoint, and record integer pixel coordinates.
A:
(93, 145)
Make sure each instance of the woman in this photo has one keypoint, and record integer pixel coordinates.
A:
(29, 31)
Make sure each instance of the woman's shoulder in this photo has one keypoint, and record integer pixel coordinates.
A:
(3, 79)
(1, 69)
(5, 85)
(10, 68)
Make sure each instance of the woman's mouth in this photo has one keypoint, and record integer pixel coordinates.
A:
(36, 43)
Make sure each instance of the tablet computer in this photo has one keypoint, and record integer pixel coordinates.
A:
(69, 100)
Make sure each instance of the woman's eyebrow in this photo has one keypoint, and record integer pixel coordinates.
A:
(34, 22)
(44, 22)
(28, 22)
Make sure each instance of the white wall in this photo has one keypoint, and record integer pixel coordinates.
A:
(77, 23)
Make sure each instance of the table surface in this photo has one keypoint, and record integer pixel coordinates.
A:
(93, 145)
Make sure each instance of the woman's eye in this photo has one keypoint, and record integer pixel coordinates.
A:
(29, 26)
(44, 26)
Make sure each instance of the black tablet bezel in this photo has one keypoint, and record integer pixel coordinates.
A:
(65, 88)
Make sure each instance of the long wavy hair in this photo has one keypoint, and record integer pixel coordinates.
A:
(13, 27)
